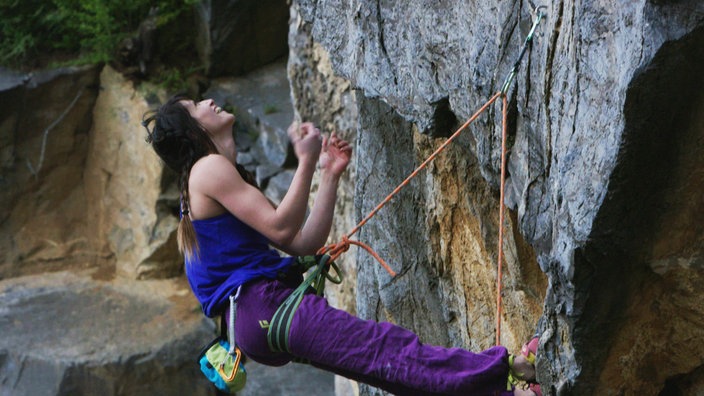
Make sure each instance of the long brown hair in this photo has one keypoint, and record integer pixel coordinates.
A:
(179, 140)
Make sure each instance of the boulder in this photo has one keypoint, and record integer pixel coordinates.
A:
(278, 186)
(293, 379)
(69, 334)
(264, 172)
(261, 101)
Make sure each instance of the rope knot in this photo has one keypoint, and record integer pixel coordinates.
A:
(335, 250)
(344, 244)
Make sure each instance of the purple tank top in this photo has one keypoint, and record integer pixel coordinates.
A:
(231, 254)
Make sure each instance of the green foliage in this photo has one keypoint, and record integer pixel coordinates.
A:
(87, 29)
(270, 109)
(174, 79)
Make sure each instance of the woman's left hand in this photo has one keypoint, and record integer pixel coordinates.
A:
(335, 155)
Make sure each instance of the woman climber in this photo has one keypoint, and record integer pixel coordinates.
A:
(226, 230)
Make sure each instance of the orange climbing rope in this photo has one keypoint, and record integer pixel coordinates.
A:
(504, 92)
(336, 249)
(499, 270)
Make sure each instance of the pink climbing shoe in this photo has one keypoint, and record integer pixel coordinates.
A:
(530, 349)
(526, 390)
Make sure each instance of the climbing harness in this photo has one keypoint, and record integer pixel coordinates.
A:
(280, 325)
(277, 335)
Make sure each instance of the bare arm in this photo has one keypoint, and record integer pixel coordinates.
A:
(216, 178)
(333, 161)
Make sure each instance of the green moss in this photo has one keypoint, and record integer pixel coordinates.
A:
(232, 109)
(172, 79)
(270, 109)
(73, 31)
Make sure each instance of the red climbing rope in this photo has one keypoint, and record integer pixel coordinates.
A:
(336, 249)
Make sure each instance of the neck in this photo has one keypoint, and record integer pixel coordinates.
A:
(226, 147)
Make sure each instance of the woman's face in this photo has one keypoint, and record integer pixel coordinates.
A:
(211, 117)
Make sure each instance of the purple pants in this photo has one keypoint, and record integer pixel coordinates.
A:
(383, 355)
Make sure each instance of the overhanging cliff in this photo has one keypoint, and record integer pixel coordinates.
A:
(604, 188)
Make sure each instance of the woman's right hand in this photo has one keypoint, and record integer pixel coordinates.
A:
(306, 140)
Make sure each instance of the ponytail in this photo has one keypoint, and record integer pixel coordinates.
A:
(186, 234)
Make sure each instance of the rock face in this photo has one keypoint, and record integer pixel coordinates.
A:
(604, 179)
(44, 123)
(130, 194)
(84, 190)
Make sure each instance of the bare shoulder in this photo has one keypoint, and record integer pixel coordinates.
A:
(214, 175)
(215, 186)
(205, 176)
(213, 168)
(211, 162)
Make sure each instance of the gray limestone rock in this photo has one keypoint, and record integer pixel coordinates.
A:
(604, 124)
(261, 101)
(264, 172)
(293, 379)
(66, 334)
